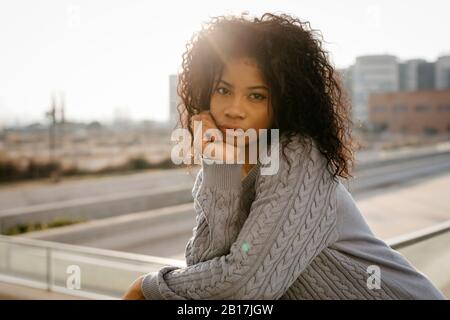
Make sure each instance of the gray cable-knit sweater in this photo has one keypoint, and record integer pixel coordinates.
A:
(297, 234)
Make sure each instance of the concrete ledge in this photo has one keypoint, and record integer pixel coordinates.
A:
(10, 291)
(98, 207)
(157, 224)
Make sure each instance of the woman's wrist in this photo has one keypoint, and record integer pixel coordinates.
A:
(149, 287)
(221, 175)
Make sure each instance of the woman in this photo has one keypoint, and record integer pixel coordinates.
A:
(295, 234)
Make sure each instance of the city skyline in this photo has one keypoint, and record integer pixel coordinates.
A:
(101, 56)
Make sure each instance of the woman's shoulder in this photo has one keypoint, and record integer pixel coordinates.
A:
(293, 154)
(303, 174)
(301, 148)
(301, 164)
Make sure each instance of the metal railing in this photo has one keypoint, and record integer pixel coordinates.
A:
(106, 274)
(428, 250)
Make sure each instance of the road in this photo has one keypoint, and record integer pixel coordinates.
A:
(23, 195)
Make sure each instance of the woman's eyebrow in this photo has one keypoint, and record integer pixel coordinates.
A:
(253, 87)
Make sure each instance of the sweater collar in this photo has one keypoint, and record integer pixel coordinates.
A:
(251, 175)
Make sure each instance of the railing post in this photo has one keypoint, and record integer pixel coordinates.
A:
(8, 257)
(49, 268)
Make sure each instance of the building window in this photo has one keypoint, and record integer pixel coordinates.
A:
(379, 109)
(400, 108)
(429, 131)
(380, 127)
(444, 108)
(422, 108)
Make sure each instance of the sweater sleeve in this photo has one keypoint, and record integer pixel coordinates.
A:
(200, 234)
(217, 209)
(292, 219)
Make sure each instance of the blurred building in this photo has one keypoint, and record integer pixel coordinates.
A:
(374, 73)
(443, 73)
(416, 74)
(416, 112)
(173, 100)
(346, 75)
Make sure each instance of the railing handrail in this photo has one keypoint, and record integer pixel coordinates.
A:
(419, 235)
(396, 243)
(90, 250)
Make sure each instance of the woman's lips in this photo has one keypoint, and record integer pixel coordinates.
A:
(233, 130)
(229, 127)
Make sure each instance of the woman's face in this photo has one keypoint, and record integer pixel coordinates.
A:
(240, 98)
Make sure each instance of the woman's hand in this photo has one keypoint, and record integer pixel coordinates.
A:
(219, 145)
(134, 291)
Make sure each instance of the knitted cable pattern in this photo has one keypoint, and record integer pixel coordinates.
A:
(291, 220)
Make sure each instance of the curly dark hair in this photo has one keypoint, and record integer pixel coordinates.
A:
(305, 91)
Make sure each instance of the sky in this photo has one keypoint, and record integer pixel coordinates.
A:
(111, 57)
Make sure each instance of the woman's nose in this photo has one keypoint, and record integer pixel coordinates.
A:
(235, 109)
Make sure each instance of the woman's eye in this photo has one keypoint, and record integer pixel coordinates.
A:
(257, 96)
(222, 90)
